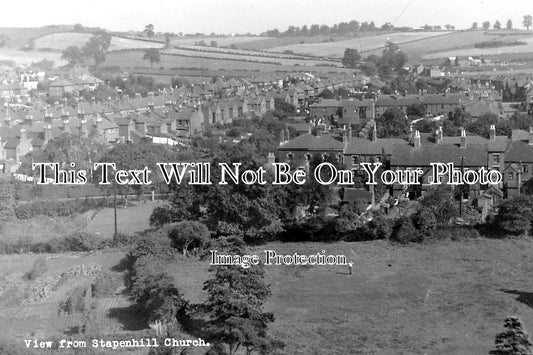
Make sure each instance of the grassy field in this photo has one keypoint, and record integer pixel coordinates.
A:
(18, 37)
(269, 43)
(131, 59)
(60, 41)
(250, 57)
(130, 220)
(28, 57)
(365, 43)
(444, 298)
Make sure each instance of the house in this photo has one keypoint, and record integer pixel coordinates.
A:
(518, 173)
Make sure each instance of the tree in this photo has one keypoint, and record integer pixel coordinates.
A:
(486, 25)
(514, 340)
(509, 24)
(213, 44)
(474, 26)
(4, 39)
(392, 123)
(351, 58)
(497, 25)
(97, 46)
(152, 55)
(7, 198)
(449, 27)
(417, 110)
(188, 234)
(515, 216)
(149, 30)
(234, 305)
(73, 55)
(439, 200)
(528, 20)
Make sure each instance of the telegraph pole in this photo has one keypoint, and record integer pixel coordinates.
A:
(461, 189)
(115, 206)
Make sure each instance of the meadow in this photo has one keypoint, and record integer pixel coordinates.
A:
(363, 43)
(133, 59)
(60, 41)
(442, 298)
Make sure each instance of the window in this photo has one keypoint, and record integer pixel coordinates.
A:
(325, 156)
(525, 168)
(290, 156)
(511, 176)
(355, 159)
(339, 158)
(496, 158)
(308, 157)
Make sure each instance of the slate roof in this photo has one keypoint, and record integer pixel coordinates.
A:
(361, 146)
(474, 155)
(519, 152)
(311, 142)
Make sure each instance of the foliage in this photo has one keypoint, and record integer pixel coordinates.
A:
(97, 46)
(7, 198)
(73, 55)
(235, 308)
(149, 30)
(38, 269)
(515, 215)
(152, 55)
(392, 123)
(439, 200)
(514, 340)
(105, 284)
(188, 234)
(351, 58)
(527, 21)
(76, 300)
(425, 221)
(405, 232)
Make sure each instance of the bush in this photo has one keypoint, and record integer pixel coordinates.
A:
(105, 284)
(455, 233)
(77, 300)
(83, 241)
(514, 340)
(46, 208)
(425, 221)
(39, 268)
(404, 232)
(188, 234)
(515, 216)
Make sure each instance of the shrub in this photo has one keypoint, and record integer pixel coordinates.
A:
(425, 221)
(455, 233)
(39, 268)
(46, 208)
(404, 232)
(83, 241)
(105, 284)
(188, 234)
(515, 216)
(514, 340)
(77, 300)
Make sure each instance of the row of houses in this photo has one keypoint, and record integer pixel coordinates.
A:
(512, 157)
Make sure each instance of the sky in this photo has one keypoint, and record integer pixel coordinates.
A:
(256, 16)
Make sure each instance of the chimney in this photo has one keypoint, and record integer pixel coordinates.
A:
(23, 135)
(271, 158)
(318, 132)
(48, 118)
(530, 136)
(463, 138)
(374, 133)
(310, 128)
(439, 135)
(282, 137)
(47, 132)
(349, 134)
(99, 123)
(138, 96)
(287, 134)
(492, 132)
(126, 97)
(416, 139)
(7, 121)
(83, 127)
(151, 105)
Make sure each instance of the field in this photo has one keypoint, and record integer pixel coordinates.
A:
(365, 43)
(269, 43)
(221, 41)
(227, 55)
(133, 58)
(129, 220)
(60, 41)
(441, 298)
(28, 57)
(18, 37)
(446, 298)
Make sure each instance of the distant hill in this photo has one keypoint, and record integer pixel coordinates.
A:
(18, 37)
